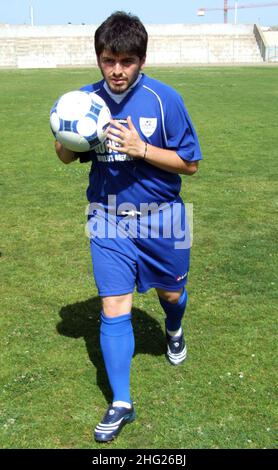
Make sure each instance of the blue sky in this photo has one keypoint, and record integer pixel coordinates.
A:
(150, 11)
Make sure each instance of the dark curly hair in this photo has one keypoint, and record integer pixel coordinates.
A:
(122, 33)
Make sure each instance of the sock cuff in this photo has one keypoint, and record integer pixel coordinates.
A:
(116, 326)
(183, 297)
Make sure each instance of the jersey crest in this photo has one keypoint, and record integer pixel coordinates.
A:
(148, 126)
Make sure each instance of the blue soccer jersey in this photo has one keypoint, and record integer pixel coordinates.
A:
(161, 119)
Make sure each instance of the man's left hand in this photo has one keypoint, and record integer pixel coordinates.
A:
(125, 139)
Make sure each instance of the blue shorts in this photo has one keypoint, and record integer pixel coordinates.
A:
(139, 250)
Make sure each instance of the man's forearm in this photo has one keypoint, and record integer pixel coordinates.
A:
(127, 140)
(169, 160)
(65, 155)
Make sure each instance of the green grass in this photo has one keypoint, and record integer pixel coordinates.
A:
(53, 388)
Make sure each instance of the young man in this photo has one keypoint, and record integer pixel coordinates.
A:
(150, 142)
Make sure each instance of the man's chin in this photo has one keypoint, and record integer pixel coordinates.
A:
(118, 89)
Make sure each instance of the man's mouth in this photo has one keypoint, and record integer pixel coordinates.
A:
(118, 81)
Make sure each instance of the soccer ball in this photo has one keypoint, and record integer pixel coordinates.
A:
(79, 120)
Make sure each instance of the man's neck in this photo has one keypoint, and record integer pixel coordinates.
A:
(119, 97)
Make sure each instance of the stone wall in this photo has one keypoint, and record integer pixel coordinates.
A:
(72, 45)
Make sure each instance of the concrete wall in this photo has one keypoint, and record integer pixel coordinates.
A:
(72, 45)
(271, 38)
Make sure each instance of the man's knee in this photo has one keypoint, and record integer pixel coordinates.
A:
(115, 306)
(170, 296)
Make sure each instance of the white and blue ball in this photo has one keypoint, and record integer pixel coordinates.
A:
(79, 120)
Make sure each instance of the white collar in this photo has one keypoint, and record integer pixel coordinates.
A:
(120, 97)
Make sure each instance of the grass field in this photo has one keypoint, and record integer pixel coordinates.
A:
(53, 388)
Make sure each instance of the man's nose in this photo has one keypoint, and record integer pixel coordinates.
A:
(118, 69)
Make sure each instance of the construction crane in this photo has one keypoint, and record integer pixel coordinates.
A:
(236, 6)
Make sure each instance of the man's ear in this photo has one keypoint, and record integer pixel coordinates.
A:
(143, 62)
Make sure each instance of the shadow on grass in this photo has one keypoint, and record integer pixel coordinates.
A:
(82, 320)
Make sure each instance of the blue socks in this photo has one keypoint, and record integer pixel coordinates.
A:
(174, 312)
(117, 346)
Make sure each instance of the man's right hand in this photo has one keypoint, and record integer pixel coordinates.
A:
(65, 155)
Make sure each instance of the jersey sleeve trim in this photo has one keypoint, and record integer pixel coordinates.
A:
(162, 111)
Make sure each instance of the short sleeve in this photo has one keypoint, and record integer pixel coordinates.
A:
(180, 133)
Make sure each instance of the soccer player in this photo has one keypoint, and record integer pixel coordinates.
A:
(151, 140)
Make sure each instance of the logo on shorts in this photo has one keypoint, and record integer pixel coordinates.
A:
(148, 126)
(179, 278)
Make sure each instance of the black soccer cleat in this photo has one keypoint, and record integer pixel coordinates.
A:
(113, 421)
(176, 349)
